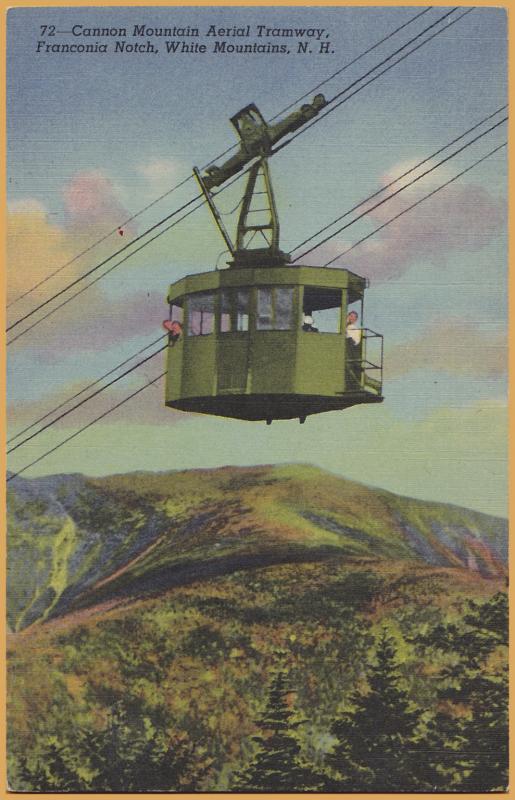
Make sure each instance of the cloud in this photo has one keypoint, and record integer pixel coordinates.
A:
(27, 205)
(409, 170)
(92, 203)
(460, 218)
(95, 324)
(160, 175)
(145, 408)
(104, 323)
(454, 346)
(38, 246)
(34, 249)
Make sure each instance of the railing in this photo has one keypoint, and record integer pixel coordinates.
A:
(370, 360)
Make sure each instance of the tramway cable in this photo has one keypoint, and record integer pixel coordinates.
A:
(375, 77)
(350, 63)
(101, 264)
(85, 389)
(86, 399)
(89, 424)
(417, 203)
(399, 177)
(99, 277)
(97, 242)
(153, 381)
(398, 191)
(430, 194)
(185, 205)
(221, 155)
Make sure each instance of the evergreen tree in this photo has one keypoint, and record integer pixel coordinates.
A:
(467, 747)
(165, 764)
(485, 736)
(482, 762)
(50, 772)
(377, 741)
(277, 765)
(131, 755)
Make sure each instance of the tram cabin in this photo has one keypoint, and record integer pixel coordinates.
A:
(271, 342)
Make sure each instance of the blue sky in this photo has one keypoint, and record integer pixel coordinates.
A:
(93, 138)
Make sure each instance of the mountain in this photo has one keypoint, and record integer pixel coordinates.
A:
(245, 628)
(75, 541)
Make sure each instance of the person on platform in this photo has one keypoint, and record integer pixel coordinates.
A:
(174, 329)
(307, 324)
(352, 332)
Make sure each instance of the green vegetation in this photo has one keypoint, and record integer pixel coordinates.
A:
(292, 666)
(188, 685)
(277, 764)
(377, 745)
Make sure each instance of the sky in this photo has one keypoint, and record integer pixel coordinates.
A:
(95, 137)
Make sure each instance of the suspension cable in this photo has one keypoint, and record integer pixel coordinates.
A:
(156, 225)
(114, 369)
(84, 389)
(84, 427)
(85, 399)
(402, 188)
(322, 116)
(399, 177)
(221, 155)
(418, 202)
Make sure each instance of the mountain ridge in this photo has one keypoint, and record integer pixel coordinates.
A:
(92, 540)
(246, 469)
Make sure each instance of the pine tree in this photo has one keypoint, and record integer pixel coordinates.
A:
(467, 749)
(131, 755)
(485, 736)
(482, 762)
(277, 765)
(51, 771)
(377, 742)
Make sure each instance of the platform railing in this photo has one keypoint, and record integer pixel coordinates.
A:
(370, 361)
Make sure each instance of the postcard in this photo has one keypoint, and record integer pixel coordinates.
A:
(257, 367)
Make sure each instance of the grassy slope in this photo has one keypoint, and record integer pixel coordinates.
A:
(237, 570)
(198, 657)
(132, 534)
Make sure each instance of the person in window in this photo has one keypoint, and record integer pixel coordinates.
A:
(174, 329)
(352, 332)
(307, 323)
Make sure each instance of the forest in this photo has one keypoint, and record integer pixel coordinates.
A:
(325, 652)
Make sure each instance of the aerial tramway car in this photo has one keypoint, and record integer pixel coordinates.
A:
(265, 338)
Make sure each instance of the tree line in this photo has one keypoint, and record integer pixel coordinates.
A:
(380, 741)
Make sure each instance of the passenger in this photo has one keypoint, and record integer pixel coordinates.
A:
(352, 332)
(174, 329)
(307, 324)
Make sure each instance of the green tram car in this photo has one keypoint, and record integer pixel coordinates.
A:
(265, 338)
(246, 353)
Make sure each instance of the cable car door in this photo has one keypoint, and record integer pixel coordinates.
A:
(233, 350)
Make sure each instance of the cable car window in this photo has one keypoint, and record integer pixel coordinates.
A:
(283, 307)
(234, 310)
(264, 309)
(242, 310)
(225, 311)
(201, 314)
(322, 307)
(274, 308)
(177, 311)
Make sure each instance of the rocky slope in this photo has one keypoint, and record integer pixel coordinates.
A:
(75, 542)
